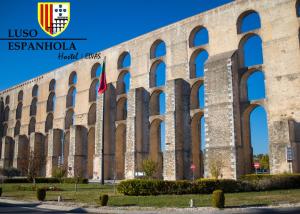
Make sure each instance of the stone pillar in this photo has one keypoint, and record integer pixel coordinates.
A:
(21, 153)
(137, 131)
(77, 160)
(220, 115)
(7, 152)
(37, 148)
(54, 150)
(109, 135)
(284, 134)
(176, 157)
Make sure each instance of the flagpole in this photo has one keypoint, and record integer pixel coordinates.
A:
(103, 123)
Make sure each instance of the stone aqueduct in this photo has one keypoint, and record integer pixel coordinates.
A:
(58, 115)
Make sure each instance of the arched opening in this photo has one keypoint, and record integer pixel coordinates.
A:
(155, 148)
(93, 90)
(49, 122)
(17, 128)
(255, 136)
(198, 37)
(158, 74)
(19, 111)
(35, 91)
(248, 21)
(197, 96)
(250, 51)
(7, 99)
(20, 96)
(92, 115)
(157, 103)
(298, 8)
(23, 151)
(121, 109)
(51, 102)
(198, 143)
(6, 114)
(197, 63)
(124, 60)
(33, 107)
(123, 83)
(5, 129)
(69, 119)
(31, 127)
(96, 70)
(71, 97)
(91, 152)
(120, 152)
(256, 86)
(158, 49)
(52, 85)
(73, 78)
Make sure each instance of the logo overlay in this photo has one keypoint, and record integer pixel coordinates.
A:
(54, 17)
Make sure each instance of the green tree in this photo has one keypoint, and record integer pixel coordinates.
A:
(149, 167)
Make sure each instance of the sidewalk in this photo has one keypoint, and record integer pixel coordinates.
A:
(81, 208)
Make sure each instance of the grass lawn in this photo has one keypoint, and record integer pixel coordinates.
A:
(89, 194)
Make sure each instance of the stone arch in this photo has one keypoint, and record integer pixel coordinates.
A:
(91, 152)
(17, 128)
(155, 151)
(5, 127)
(19, 111)
(247, 135)
(248, 21)
(73, 78)
(49, 122)
(158, 49)
(92, 115)
(69, 119)
(71, 97)
(124, 60)
(51, 102)
(198, 37)
(121, 109)
(158, 74)
(197, 95)
(20, 96)
(7, 99)
(35, 90)
(120, 151)
(156, 105)
(123, 82)
(197, 62)
(93, 90)
(6, 113)
(248, 57)
(96, 70)
(52, 85)
(197, 144)
(33, 107)
(23, 154)
(31, 127)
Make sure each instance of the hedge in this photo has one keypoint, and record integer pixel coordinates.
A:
(158, 187)
(248, 183)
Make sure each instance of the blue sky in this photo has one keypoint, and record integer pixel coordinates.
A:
(103, 23)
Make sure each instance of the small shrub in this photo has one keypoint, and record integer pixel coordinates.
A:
(149, 167)
(218, 199)
(103, 200)
(0, 191)
(41, 194)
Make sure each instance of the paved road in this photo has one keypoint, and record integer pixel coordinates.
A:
(31, 208)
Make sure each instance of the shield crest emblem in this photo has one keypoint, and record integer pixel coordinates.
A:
(53, 17)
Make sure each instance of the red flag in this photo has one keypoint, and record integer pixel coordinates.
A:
(102, 86)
